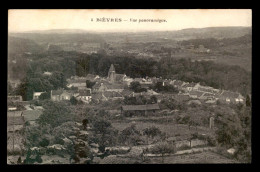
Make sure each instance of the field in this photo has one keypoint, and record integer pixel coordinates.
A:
(198, 158)
(170, 128)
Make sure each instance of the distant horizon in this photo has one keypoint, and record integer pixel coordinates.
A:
(122, 31)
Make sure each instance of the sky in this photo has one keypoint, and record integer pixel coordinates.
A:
(21, 20)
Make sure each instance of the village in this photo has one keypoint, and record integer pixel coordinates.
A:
(117, 95)
(116, 86)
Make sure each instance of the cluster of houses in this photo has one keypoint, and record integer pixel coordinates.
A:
(206, 93)
(115, 86)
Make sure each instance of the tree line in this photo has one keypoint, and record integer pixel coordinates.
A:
(69, 64)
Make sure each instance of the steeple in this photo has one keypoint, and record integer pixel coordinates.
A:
(112, 74)
(112, 68)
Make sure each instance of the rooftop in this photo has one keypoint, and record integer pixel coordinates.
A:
(84, 93)
(198, 93)
(31, 115)
(57, 92)
(229, 94)
(178, 83)
(189, 85)
(16, 120)
(141, 107)
(111, 94)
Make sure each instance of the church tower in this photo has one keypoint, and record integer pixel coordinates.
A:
(112, 74)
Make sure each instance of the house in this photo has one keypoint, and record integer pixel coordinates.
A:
(36, 95)
(146, 84)
(211, 101)
(107, 95)
(145, 108)
(80, 84)
(208, 89)
(126, 93)
(84, 95)
(127, 81)
(197, 102)
(13, 113)
(115, 87)
(14, 98)
(138, 79)
(105, 86)
(113, 95)
(99, 87)
(47, 73)
(188, 86)
(99, 96)
(120, 77)
(207, 96)
(146, 94)
(178, 84)
(195, 94)
(230, 97)
(31, 115)
(59, 95)
(11, 108)
(92, 77)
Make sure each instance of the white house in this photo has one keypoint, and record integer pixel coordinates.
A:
(36, 95)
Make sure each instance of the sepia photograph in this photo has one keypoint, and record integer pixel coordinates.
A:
(129, 86)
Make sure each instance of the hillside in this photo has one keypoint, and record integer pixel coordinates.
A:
(63, 37)
(21, 45)
(211, 32)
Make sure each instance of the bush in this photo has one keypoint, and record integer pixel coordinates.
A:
(130, 136)
(44, 142)
(59, 141)
(211, 141)
(55, 113)
(45, 95)
(183, 147)
(163, 148)
(73, 100)
(152, 132)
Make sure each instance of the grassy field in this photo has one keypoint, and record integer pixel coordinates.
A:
(170, 128)
(197, 158)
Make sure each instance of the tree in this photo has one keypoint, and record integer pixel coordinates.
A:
(130, 136)
(153, 99)
(130, 100)
(135, 86)
(55, 113)
(158, 86)
(24, 90)
(73, 100)
(45, 95)
(85, 123)
(164, 148)
(90, 84)
(152, 132)
(44, 142)
(104, 133)
(229, 129)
